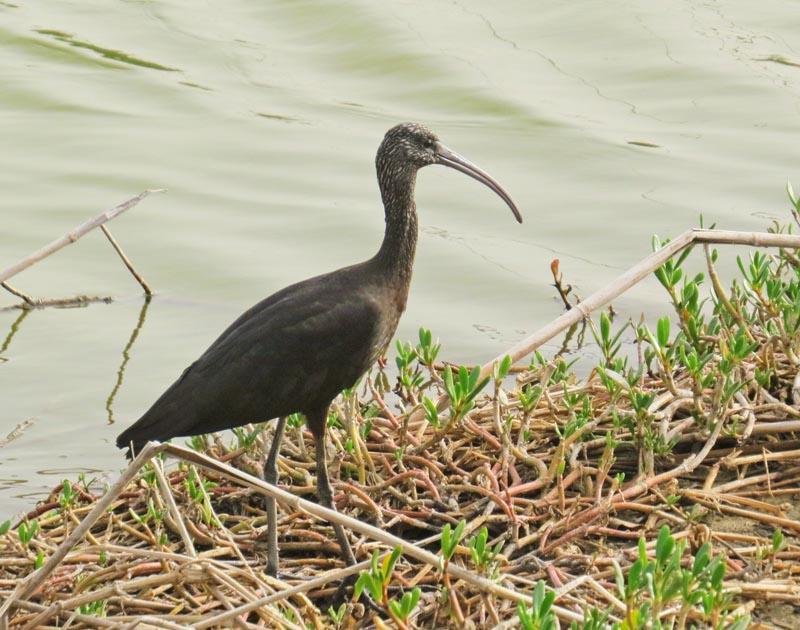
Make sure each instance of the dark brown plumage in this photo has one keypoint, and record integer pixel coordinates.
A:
(296, 350)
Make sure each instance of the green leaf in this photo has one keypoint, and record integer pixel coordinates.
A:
(415, 595)
(663, 332)
(718, 574)
(619, 578)
(389, 562)
(425, 336)
(448, 383)
(664, 545)
(501, 369)
(795, 200)
(777, 539)
(450, 539)
(459, 531)
(364, 582)
(464, 379)
(477, 547)
(431, 412)
(445, 537)
(525, 616)
(605, 327)
(701, 559)
(475, 390)
(406, 605)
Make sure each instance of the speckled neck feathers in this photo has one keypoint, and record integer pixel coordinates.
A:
(396, 179)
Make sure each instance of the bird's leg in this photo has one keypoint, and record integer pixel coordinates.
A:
(326, 494)
(271, 477)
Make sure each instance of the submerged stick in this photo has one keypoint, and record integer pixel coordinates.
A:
(77, 300)
(14, 291)
(72, 236)
(127, 261)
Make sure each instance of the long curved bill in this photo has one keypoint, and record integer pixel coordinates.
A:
(450, 158)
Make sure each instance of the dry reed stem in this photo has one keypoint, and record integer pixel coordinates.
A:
(126, 261)
(72, 236)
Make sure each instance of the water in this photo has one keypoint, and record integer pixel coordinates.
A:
(262, 120)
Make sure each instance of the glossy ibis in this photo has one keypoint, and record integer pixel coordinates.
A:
(296, 350)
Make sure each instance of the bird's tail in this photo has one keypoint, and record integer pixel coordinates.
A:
(133, 447)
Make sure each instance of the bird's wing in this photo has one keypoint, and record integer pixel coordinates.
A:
(290, 354)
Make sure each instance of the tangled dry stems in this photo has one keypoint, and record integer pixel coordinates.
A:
(556, 501)
(569, 474)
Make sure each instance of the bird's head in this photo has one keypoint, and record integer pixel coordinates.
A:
(408, 147)
(411, 145)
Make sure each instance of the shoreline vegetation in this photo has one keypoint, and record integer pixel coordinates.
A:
(657, 491)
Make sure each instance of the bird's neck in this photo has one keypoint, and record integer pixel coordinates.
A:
(396, 255)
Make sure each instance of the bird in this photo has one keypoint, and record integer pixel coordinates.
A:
(296, 350)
